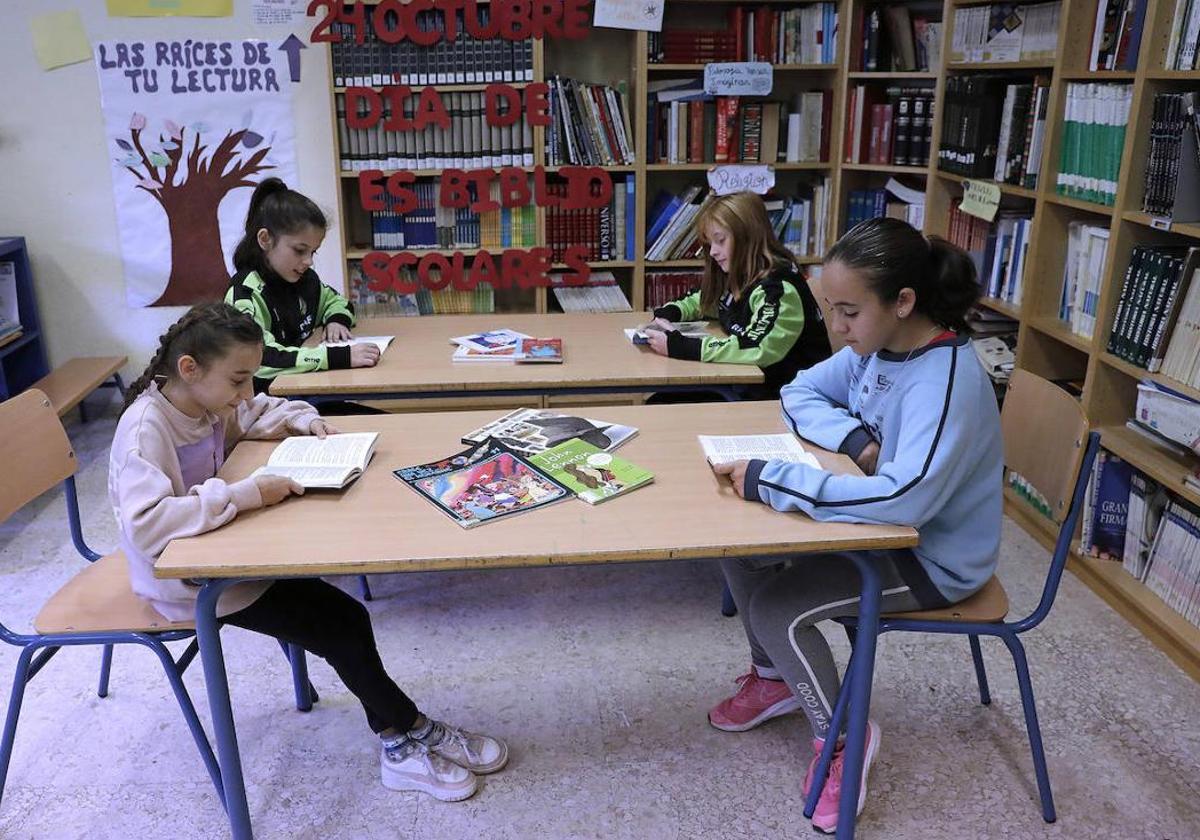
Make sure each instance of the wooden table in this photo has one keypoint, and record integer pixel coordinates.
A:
(598, 359)
(395, 530)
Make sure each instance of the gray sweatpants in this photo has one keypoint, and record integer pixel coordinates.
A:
(780, 608)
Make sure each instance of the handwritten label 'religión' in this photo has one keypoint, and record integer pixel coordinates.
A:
(730, 179)
(741, 78)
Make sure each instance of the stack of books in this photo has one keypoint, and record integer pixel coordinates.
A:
(995, 129)
(669, 233)
(1093, 138)
(1087, 246)
(505, 345)
(1005, 32)
(1173, 121)
(589, 124)
(10, 313)
(601, 294)
(606, 231)
(662, 287)
(1157, 321)
(1117, 34)
(894, 201)
(433, 225)
(892, 125)
(389, 303)
(1185, 31)
(802, 35)
(896, 38)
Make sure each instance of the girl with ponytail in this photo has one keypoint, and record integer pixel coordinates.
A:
(907, 399)
(188, 409)
(275, 284)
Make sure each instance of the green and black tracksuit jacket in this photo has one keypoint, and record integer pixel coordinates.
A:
(775, 324)
(288, 314)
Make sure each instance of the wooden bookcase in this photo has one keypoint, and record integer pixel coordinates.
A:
(1046, 345)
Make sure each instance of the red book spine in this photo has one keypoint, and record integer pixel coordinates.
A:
(695, 132)
(874, 154)
(885, 134)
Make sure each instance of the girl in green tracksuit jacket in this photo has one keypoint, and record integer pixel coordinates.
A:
(755, 288)
(277, 287)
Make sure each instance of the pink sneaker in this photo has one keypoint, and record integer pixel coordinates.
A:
(757, 701)
(817, 745)
(825, 817)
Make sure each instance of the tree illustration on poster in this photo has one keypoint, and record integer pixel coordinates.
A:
(189, 124)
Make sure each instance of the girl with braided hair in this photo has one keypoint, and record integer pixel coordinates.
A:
(192, 404)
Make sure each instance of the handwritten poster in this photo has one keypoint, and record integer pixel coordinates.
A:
(756, 178)
(738, 78)
(646, 15)
(191, 126)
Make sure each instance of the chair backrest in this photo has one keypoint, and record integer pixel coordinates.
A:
(814, 285)
(1045, 431)
(34, 450)
(1046, 440)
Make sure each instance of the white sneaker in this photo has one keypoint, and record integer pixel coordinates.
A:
(481, 754)
(410, 765)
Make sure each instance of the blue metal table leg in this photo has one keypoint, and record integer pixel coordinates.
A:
(862, 666)
(217, 685)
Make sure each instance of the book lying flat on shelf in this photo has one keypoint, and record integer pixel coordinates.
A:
(380, 341)
(533, 430)
(691, 329)
(591, 473)
(486, 342)
(539, 351)
(483, 483)
(328, 463)
(721, 449)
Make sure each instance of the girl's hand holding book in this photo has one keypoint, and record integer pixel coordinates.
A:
(275, 488)
(657, 340)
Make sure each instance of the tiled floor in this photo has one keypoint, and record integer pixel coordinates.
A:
(599, 678)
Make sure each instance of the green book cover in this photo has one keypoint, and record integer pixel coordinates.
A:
(591, 473)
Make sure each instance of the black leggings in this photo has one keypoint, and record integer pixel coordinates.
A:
(326, 621)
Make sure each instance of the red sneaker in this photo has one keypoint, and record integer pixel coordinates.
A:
(825, 817)
(757, 700)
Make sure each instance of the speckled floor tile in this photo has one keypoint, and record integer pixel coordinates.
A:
(599, 678)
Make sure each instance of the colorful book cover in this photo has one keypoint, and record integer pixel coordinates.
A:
(1111, 507)
(540, 350)
(463, 353)
(486, 342)
(529, 431)
(483, 483)
(593, 474)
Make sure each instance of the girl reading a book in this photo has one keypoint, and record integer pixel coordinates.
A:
(756, 289)
(192, 404)
(275, 284)
(908, 400)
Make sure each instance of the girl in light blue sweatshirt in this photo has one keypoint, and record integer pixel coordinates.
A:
(907, 399)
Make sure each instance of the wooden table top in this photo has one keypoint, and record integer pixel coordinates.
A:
(596, 353)
(378, 524)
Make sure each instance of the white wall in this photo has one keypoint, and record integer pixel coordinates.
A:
(56, 187)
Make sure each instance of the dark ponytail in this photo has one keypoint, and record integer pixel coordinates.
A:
(892, 255)
(281, 211)
(205, 332)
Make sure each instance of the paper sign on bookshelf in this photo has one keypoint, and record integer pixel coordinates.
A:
(738, 78)
(738, 177)
(980, 199)
(645, 15)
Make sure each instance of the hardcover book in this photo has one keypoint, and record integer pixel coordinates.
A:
(591, 473)
(539, 351)
(483, 483)
(529, 431)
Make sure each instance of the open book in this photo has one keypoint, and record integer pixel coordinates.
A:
(691, 329)
(329, 463)
(721, 449)
(380, 341)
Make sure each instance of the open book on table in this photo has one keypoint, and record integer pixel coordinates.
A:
(380, 341)
(329, 463)
(691, 329)
(721, 449)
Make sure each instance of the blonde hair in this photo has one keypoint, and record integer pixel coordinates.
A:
(754, 249)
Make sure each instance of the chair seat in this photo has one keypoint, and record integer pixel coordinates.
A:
(99, 599)
(989, 604)
(71, 382)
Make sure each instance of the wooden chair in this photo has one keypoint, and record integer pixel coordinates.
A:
(1046, 440)
(71, 382)
(97, 606)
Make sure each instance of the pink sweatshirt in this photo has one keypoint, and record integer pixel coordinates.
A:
(162, 485)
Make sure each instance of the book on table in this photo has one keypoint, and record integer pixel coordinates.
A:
(722, 449)
(691, 329)
(533, 430)
(483, 483)
(539, 351)
(380, 341)
(490, 341)
(591, 473)
(505, 355)
(328, 463)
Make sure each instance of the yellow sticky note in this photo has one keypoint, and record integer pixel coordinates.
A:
(164, 8)
(980, 199)
(58, 39)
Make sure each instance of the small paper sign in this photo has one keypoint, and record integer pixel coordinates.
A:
(738, 78)
(736, 178)
(646, 15)
(1160, 222)
(980, 199)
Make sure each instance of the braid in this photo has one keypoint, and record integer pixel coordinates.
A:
(204, 332)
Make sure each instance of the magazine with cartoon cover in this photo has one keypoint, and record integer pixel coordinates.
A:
(594, 475)
(483, 483)
(533, 430)
(486, 342)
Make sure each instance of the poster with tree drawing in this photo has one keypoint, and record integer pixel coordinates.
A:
(190, 128)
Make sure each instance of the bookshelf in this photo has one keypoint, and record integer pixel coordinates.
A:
(1046, 344)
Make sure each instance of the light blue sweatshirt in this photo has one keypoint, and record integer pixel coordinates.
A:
(940, 454)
